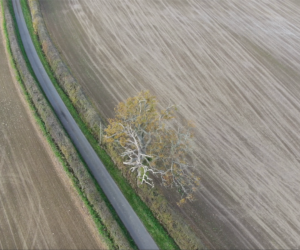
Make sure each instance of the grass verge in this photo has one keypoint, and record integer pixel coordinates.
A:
(101, 228)
(159, 234)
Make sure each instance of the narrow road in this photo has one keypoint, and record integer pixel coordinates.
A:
(131, 221)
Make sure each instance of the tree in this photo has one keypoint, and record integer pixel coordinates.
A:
(151, 146)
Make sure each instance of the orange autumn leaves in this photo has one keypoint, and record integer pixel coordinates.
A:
(152, 144)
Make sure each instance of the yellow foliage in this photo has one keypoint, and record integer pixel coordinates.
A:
(137, 121)
(181, 202)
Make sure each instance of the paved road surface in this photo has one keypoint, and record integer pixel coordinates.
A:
(131, 221)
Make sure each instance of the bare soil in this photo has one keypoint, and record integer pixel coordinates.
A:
(234, 67)
(39, 208)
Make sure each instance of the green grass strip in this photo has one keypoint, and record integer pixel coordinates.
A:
(159, 234)
(101, 228)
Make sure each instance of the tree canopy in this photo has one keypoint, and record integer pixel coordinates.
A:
(151, 146)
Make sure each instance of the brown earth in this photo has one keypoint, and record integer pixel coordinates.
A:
(234, 67)
(39, 208)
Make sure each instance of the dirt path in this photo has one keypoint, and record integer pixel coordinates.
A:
(39, 209)
(234, 66)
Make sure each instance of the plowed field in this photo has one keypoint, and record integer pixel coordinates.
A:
(39, 208)
(234, 67)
